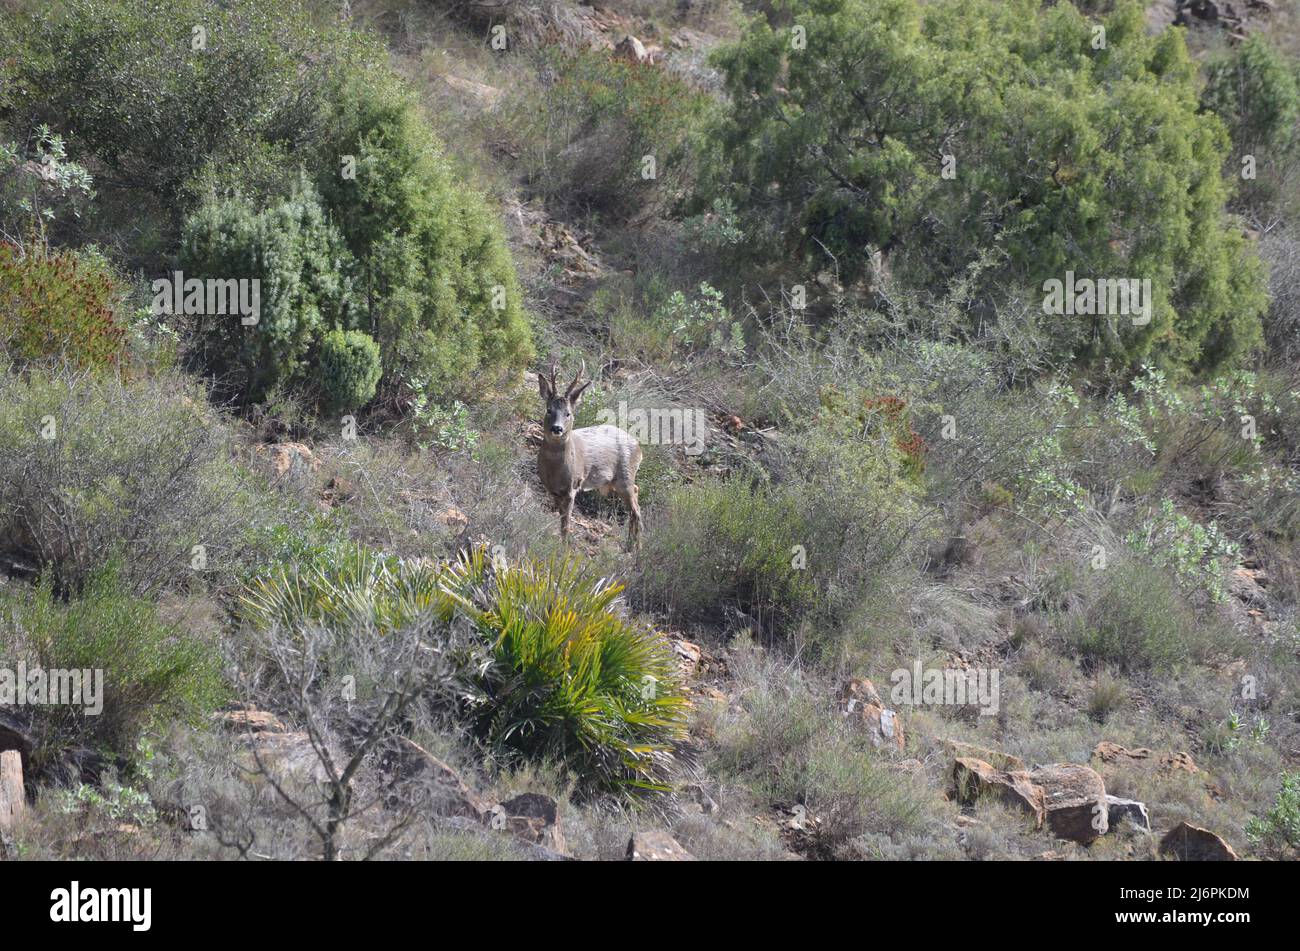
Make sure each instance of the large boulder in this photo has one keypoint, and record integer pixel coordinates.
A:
(632, 50)
(1190, 843)
(1120, 811)
(1075, 798)
(973, 778)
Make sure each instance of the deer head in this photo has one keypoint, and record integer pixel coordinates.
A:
(558, 421)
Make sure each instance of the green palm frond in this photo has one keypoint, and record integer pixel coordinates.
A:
(571, 677)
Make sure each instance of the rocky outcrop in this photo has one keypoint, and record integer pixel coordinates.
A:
(1190, 843)
(1075, 800)
(632, 50)
(1113, 756)
(973, 779)
(1127, 813)
(290, 460)
(1068, 798)
(534, 818)
(864, 709)
(996, 758)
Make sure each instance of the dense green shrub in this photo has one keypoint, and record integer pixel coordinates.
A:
(435, 283)
(304, 290)
(1070, 155)
(94, 465)
(568, 678)
(1254, 90)
(59, 305)
(350, 370)
(272, 88)
(153, 674)
(124, 80)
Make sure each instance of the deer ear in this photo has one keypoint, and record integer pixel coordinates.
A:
(573, 397)
(544, 387)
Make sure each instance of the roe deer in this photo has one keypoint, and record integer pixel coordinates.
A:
(604, 458)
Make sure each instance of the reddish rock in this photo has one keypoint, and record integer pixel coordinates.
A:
(1075, 797)
(1191, 843)
(974, 778)
(861, 690)
(689, 656)
(1112, 754)
(290, 459)
(632, 50)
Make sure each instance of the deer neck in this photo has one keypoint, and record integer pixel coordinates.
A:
(561, 462)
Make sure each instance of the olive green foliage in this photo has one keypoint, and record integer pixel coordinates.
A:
(569, 676)
(1137, 620)
(1278, 831)
(125, 81)
(940, 131)
(1254, 90)
(435, 281)
(350, 369)
(296, 257)
(268, 90)
(154, 674)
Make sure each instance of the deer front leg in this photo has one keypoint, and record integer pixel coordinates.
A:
(566, 511)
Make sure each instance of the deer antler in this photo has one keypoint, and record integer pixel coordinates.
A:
(554, 388)
(578, 376)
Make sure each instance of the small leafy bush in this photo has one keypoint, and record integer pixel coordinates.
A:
(1279, 829)
(600, 118)
(94, 465)
(350, 369)
(154, 673)
(803, 542)
(701, 322)
(59, 304)
(1196, 554)
(1138, 620)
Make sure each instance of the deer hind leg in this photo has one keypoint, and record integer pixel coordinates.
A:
(631, 496)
